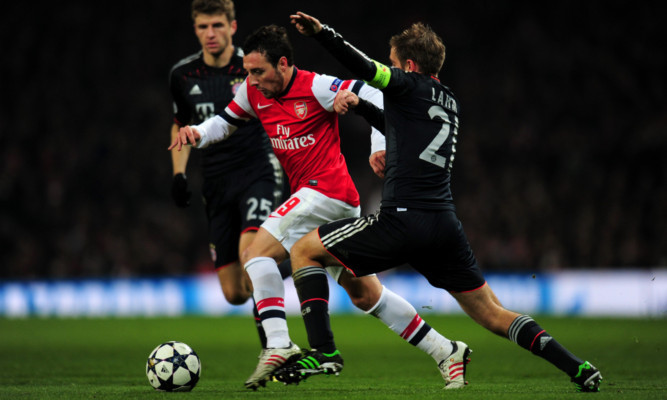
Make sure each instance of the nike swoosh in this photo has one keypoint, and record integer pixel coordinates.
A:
(259, 107)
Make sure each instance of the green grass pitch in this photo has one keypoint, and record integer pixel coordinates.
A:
(105, 359)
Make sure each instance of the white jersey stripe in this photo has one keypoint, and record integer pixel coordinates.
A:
(241, 99)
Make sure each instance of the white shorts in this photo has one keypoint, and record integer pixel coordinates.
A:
(304, 211)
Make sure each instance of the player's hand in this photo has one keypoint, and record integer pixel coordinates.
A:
(305, 24)
(186, 135)
(179, 191)
(344, 101)
(377, 162)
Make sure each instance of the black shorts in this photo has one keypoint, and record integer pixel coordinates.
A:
(236, 204)
(430, 241)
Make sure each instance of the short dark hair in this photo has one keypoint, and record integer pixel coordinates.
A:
(213, 7)
(422, 45)
(272, 42)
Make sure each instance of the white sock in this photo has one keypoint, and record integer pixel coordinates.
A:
(436, 345)
(269, 295)
(402, 318)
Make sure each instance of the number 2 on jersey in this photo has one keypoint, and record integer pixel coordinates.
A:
(429, 153)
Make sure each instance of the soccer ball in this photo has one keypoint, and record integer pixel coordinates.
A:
(173, 367)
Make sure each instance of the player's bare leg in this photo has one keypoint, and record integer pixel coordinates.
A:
(484, 307)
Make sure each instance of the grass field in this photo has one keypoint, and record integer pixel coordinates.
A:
(105, 359)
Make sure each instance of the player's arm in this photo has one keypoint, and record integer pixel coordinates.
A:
(371, 71)
(237, 113)
(202, 135)
(346, 100)
(215, 129)
(179, 159)
(218, 128)
(182, 113)
(375, 116)
(368, 104)
(179, 162)
(372, 103)
(371, 106)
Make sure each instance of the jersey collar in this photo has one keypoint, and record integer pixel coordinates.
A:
(289, 85)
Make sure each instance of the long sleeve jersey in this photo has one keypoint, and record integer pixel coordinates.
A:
(421, 121)
(302, 128)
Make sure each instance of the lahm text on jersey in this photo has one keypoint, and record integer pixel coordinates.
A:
(444, 100)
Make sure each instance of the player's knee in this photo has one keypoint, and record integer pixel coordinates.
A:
(235, 291)
(364, 294)
(300, 254)
(297, 249)
(236, 296)
(364, 301)
(244, 257)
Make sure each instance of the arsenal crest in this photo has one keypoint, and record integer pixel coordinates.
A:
(300, 109)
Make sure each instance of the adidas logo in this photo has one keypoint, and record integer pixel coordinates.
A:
(543, 341)
(195, 90)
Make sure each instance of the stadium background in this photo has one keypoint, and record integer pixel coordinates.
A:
(560, 165)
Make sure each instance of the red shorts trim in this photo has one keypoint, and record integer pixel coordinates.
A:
(226, 265)
(471, 290)
(332, 255)
(250, 229)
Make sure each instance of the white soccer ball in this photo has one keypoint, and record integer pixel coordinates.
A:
(173, 367)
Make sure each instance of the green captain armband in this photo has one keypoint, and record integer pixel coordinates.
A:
(382, 75)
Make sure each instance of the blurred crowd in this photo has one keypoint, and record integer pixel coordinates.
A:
(560, 161)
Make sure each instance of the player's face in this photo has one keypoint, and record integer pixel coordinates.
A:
(395, 62)
(269, 80)
(214, 33)
(407, 65)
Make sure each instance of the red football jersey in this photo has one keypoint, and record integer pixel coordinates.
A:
(303, 129)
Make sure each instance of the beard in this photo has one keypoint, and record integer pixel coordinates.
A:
(271, 94)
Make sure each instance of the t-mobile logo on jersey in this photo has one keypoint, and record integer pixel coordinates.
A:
(205, 110)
